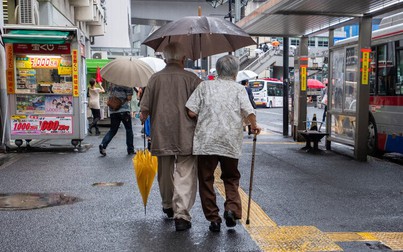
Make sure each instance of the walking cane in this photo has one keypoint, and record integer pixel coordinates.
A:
(252, 166)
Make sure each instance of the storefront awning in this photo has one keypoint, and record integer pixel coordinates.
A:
(36, 37)
(92, 64)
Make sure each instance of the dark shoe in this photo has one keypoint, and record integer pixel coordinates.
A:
(97, 133)
(229, 219)
(102, 150)
(132, 152)
(169, 212)
(215, 227)
(182, 225)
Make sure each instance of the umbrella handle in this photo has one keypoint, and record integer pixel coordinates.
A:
(144, 136)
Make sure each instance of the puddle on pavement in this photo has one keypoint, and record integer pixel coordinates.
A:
(28, 201)
(108, 184)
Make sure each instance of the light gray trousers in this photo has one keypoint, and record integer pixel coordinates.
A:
(177, 180)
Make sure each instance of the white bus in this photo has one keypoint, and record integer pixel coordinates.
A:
(267, 92)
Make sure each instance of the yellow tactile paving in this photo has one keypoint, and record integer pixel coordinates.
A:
(393, 240)
(270, 237)
(301, 238)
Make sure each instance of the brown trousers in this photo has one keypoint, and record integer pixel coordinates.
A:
(230, 175)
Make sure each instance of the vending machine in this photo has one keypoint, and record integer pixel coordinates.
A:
(46, 83)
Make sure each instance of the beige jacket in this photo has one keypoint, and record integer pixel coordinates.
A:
(164, 99)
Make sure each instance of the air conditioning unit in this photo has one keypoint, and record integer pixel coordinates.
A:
(27, 12)
(99, 55)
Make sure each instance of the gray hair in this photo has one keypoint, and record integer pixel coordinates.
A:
(227, 67)
(174, 51)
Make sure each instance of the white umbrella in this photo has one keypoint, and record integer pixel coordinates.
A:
(128, 72)
(156, 64)
(245, 75)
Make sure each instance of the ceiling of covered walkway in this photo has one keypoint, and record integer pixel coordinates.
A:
(293, 18)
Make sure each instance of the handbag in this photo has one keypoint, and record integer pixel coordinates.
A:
(114, 103)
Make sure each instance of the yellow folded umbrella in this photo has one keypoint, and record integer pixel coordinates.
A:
(145, 166)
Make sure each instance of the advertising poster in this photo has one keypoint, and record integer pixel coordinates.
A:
(41, 125)
(30, 104)
(59, 104)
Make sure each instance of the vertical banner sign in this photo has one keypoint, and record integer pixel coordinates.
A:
(75, 73)
(10, 69)
(303, 78)
(365, 66)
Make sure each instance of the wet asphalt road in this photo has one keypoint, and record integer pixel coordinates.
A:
(331, 192)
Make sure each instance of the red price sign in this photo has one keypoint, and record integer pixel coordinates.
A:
(53, 126)
(42, 125)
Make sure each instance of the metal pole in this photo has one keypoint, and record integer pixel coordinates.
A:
(4, 130)
(230, 15)
(230, 10)
(285, 85)
(364, 47)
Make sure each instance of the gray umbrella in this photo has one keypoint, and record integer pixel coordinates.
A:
(200, 36)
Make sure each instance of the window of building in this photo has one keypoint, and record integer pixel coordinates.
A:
(311, 42)
(136, 44)
(295, 41)
(323, 42)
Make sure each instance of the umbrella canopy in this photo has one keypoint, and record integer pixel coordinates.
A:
(128, 72)
(155, 63)
(145, 167)
(315, 84)
(200, 36)
(275, 43)
(245, 75)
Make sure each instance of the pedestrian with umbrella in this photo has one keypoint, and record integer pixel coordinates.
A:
(123, 74)
(172, 134)
(223, 144)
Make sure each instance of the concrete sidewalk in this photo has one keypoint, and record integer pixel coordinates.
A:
(301, 202)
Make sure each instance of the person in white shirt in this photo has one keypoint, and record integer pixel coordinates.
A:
(94, 105)
(218, 138)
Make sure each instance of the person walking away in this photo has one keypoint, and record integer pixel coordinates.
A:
(94, 105)
(245, 83)
(265, 47)
(224, 143)
(324, 93)
(172, 134)
(117, 116)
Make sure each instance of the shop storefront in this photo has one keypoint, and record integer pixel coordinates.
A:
(46, 83)
(92, 66)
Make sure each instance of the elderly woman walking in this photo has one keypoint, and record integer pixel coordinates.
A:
(224, 143)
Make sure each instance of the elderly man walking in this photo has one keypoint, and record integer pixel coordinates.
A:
(172, 134)
(218, 138)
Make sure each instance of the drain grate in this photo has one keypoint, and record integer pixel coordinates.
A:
(29, 201)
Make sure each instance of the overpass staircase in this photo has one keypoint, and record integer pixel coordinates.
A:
(263, 61)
